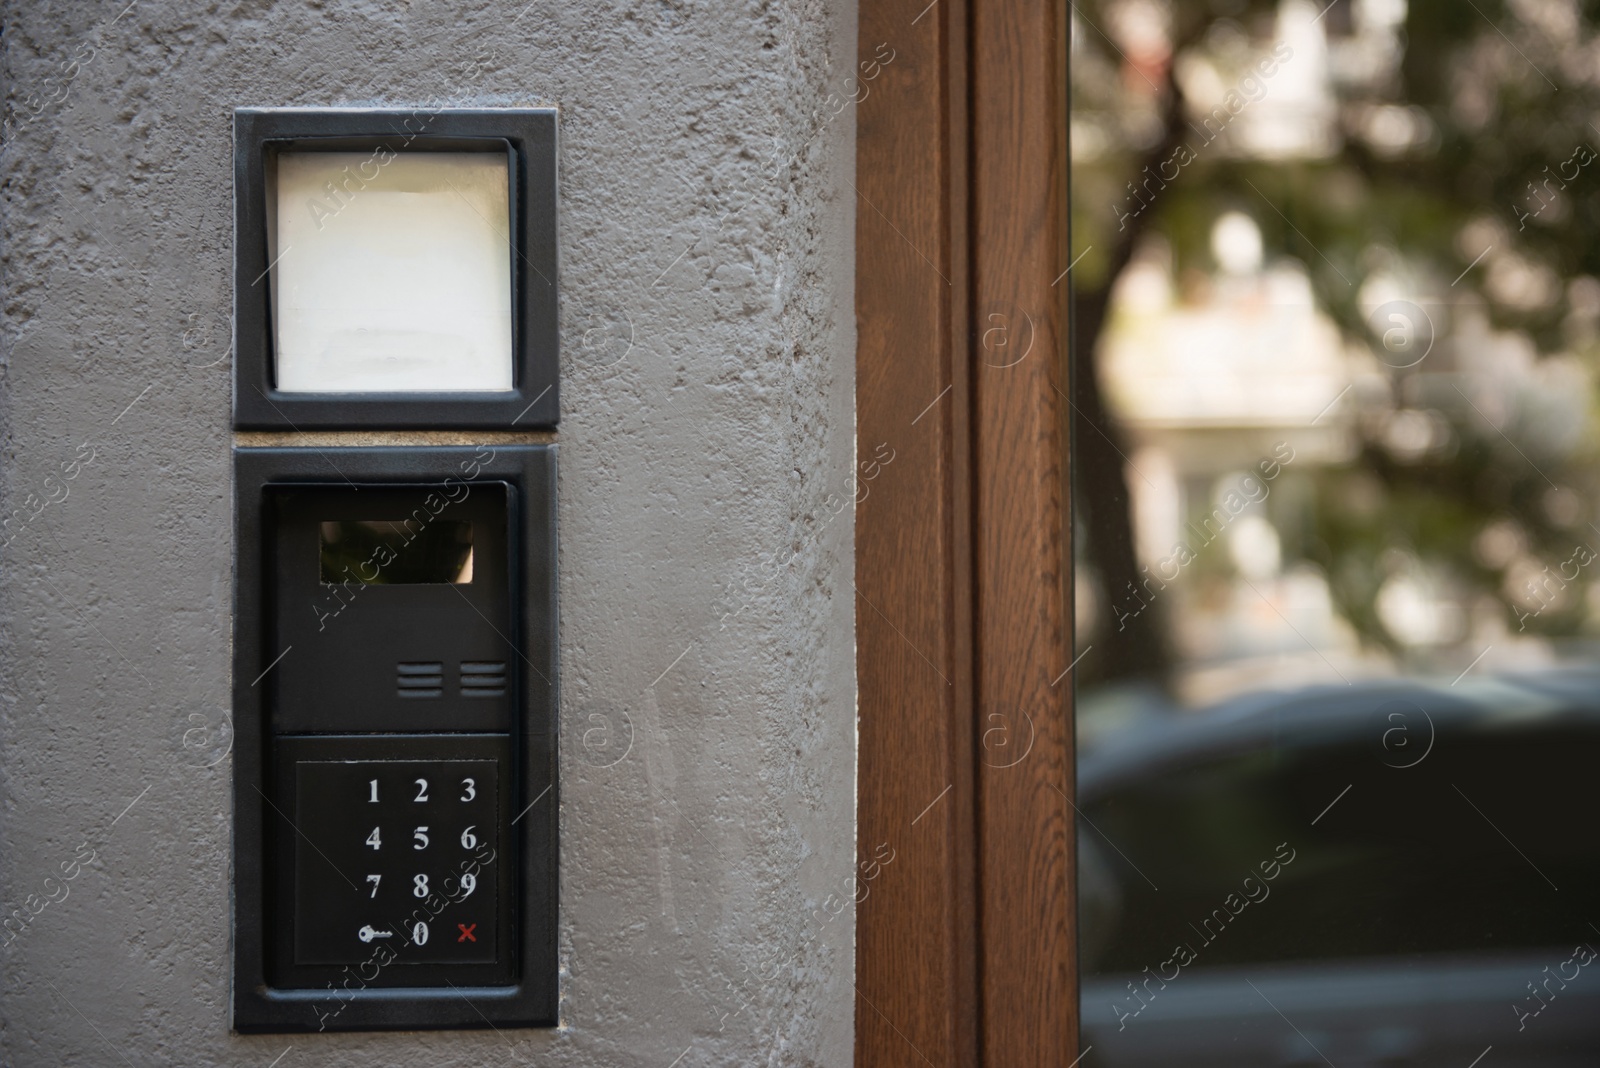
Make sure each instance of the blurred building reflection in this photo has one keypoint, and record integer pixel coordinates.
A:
(1338, 318)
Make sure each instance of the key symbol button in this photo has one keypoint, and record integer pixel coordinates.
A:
(367, 934)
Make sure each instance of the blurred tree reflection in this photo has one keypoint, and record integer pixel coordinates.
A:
(1432, 155)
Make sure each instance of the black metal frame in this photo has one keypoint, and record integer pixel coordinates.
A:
(528, 136)
(530, 1000)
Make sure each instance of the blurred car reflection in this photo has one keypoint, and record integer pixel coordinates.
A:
(1384, 873)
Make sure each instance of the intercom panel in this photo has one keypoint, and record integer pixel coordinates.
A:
(399, 597)
(395, 772)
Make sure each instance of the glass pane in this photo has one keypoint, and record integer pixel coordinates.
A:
(391, 272)
(395, 552)
(1336, 470)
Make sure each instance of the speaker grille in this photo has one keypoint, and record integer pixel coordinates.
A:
(416, 678)
(483, 678)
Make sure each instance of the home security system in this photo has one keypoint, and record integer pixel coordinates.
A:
(395, 765)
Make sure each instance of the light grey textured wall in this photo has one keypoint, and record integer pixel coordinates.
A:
(708, 654)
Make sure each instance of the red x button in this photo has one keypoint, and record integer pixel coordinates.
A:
(466, 932)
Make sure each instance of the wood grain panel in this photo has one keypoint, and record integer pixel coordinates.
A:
(965, 941)
(916, 979)
(1022, 563)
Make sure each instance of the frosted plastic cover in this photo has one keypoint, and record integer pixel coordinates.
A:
(398, 278)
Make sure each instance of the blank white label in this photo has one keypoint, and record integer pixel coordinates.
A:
(391, 272)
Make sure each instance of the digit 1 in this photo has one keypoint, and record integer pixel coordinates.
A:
(374, 798)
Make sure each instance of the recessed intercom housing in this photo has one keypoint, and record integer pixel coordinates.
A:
(395, 756)
(395, 268)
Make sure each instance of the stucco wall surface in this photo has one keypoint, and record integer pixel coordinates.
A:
(708, 738)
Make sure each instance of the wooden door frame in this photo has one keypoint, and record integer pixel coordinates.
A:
(966, 942)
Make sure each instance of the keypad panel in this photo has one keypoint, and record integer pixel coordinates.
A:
(398, 851)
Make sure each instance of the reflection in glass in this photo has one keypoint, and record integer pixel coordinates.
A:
(1336, 348)
(395, 552)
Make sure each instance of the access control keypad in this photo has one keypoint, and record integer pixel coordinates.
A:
(397, 847)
